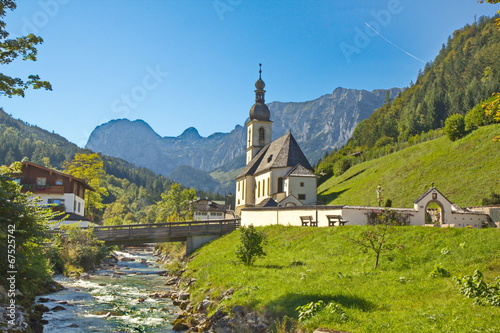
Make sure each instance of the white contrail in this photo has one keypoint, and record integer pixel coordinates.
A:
(388, 41)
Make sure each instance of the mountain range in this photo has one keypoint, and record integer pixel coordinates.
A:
(319, 126)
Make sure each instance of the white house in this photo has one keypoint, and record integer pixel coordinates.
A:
(277, 173)
(61, 191)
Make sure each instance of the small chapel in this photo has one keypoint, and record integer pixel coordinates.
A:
(277, 173)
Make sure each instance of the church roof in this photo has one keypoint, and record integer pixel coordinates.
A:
(268, 202)
(281, 153)
(301, 171)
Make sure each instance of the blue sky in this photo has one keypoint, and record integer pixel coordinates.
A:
(177, 64)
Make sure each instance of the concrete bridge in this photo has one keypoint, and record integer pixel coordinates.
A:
(194, 233)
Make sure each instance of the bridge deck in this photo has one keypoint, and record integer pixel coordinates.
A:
(163, 232)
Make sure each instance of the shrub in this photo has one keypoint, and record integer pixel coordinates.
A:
(439, 271)
(251, 247)
(342, 165)
(454, 127)
(476, 288)
(76, 251)
(311, 309)
(477, 117)
(494, 199)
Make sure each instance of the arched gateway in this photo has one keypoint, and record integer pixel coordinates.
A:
(435, 205)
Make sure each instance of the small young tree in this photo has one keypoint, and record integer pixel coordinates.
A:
(251, 247)
(377, 240)
(377, 236)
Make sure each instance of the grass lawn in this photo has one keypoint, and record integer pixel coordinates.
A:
(310, 264)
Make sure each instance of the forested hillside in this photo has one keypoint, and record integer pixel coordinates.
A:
(466, 71)
(20, 140)
(462, 77)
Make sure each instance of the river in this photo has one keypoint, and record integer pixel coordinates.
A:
(127, 299)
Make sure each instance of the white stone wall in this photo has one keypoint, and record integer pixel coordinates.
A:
(353, 214)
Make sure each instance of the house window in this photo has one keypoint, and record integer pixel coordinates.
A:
(41, 181)
(301, 184)
(302, 197)
(79, 207)
(59, 181)
(56, 201)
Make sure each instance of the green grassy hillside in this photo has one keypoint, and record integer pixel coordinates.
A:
(310, 264)
(466, 171)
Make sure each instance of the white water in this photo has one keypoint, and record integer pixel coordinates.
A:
(108, 303)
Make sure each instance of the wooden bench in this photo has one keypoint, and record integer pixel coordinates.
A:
(332, 219)
(308, 220)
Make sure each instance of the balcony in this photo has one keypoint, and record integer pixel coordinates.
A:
(47, 189)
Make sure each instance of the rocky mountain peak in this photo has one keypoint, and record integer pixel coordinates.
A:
(319, 126)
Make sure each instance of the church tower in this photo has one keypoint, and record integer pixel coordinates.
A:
(259, 127)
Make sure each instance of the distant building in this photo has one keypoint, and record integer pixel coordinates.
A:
(61, 191)
(206, 210)
(277, 173)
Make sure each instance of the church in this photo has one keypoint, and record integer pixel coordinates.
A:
(277, 173)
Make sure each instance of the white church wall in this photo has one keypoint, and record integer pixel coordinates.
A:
(303, 187)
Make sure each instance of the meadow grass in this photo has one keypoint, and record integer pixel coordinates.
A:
(310, 264)
(466, 171)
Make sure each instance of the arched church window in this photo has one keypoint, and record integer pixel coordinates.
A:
(280, 184)
(262, 136)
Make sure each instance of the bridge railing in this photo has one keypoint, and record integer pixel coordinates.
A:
(169, 229)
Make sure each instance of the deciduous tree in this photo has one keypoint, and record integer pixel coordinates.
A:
(174, 205)
(90, 168)
(23, 229)
(12, 48)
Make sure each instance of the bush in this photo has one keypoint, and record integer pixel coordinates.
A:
(251, 247)
(454, 127)
(477, 117)
(439, 271)
(494, 199)
(342, 165)
(476, 288)
(76, 251)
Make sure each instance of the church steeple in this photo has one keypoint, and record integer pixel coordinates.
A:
(259, 128)
(260, 111)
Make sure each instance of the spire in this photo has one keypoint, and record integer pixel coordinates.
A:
(259, 110)
(260, 85)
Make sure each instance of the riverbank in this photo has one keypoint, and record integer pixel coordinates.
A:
(127, 293)
(319, 278)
